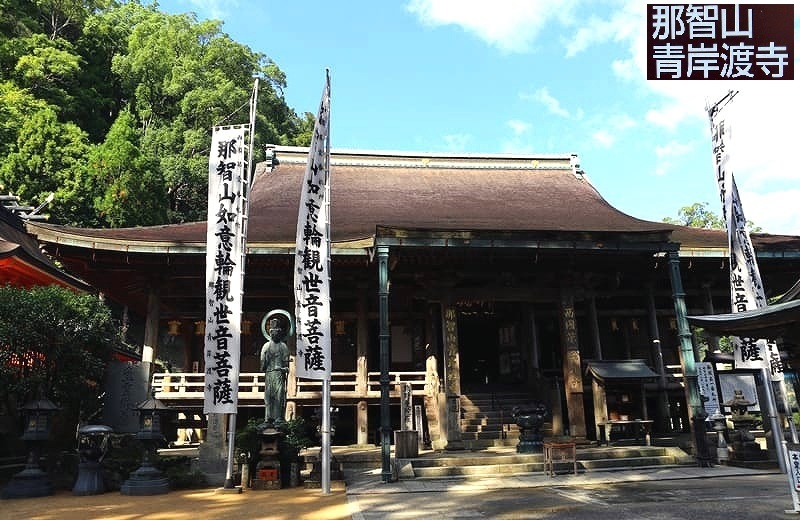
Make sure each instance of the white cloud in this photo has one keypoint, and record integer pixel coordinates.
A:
(603, 138)
(509, 25)
(518, 127)
(214, 9)
(774, 211)
(619, 27)
(762, 115)
(673, 149)
(544, 97)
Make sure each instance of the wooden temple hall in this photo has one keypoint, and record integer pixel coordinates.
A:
(501, 275)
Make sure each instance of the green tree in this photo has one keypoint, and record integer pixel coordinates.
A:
(128, 187)
(69, 69)
(50, 157)
(699, 216)
(54, 343)
(185, 76)
(16, 105)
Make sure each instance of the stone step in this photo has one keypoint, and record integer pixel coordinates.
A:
(483, 465)
(489, 470)
(489, 435)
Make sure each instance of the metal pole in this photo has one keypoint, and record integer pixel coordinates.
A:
(774, 420)
(231, 439)
(383, 319)
(325, 449)
(325, 459)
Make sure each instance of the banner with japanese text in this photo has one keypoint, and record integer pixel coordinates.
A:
(747, 291)
(225, 242)
(707, 384)
(312, 259)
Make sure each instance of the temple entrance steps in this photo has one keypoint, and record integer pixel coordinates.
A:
(504, 461)
(486, 419)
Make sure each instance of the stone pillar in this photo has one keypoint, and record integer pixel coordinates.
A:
(573, 378)
(452, 377)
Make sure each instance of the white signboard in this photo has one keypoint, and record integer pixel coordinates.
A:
(708, 387)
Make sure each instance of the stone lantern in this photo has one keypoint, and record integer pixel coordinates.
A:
(32, 481)
(148, 480)
(745, 447)
(719, 425)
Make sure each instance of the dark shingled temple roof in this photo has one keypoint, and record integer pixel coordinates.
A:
(421, 192)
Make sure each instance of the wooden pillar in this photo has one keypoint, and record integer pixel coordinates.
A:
(452, 377)
(595, 326)
(362, 342)
(600, 405)
(655, 336)
(708, 307)
(151, 333)
(573, 379)
(534, 365)
(362, 423)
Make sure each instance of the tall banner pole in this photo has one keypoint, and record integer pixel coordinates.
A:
(247, 183)
(229, 179)
(312, 274)
(326, 383)
(747, 290)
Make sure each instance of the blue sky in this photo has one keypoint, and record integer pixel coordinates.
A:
(527, 76)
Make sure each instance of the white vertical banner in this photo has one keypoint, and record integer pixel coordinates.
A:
(312, 259)
(225, 243)
(747, 291)
(707, 385)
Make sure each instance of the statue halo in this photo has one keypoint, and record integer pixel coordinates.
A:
(278, 312)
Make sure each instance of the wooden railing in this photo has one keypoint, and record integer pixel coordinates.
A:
(188, 387)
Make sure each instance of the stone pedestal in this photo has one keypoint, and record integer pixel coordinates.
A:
(30, 482)
(744, 447)
(268, 469)
(147, 480)
(213, 453)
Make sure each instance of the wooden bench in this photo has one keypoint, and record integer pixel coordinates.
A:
(559, 453)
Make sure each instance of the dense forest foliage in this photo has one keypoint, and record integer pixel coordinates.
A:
(110, 104)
